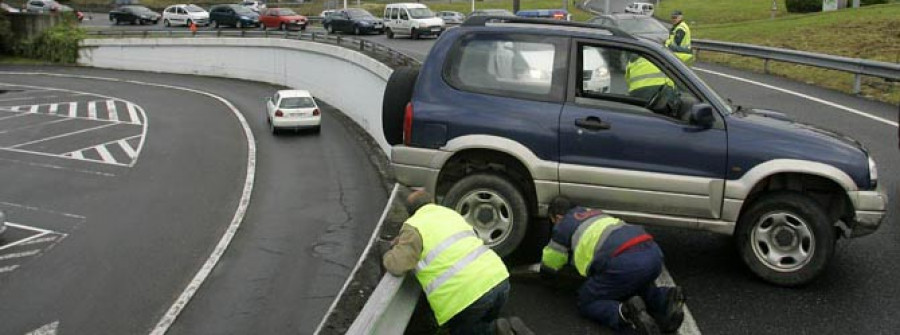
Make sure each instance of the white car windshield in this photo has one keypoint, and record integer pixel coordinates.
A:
(420, 13)
(194, 9)
(297, 102)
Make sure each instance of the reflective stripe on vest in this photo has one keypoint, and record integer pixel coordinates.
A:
(443, 246)
(642, 73)
(589, 237)
(458, 266)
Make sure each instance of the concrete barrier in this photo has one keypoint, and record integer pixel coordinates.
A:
(330, 73)
(28, 25)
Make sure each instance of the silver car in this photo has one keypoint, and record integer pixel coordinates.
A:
(451, 17)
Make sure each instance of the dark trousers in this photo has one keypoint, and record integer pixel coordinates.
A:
(478, 318)
(631, 273)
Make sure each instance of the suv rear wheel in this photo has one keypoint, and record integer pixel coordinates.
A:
(786, 238)
(494, 207)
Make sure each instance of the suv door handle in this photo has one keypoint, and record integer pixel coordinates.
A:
(592, 123)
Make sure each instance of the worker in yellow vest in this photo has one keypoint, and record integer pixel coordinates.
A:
(645, 79)
(680, 39)
(620, 262)
(465, 282)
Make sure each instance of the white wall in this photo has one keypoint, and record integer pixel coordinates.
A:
(346, 79)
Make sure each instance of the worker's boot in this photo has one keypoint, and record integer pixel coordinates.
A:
(673, 315)
(503, 327)
(634, 312)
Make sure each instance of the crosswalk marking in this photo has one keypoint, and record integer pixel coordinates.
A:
(127, 148)
(132, 113)
(77, 155)
(73, 109)
(54, 108)
(104, 154)
(39, 240)
(92, 110)
(9, 268)
(33, 109)
(111, 108)
(19, 254)
(15, 108)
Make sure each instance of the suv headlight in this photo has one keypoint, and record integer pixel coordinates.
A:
(873, 173)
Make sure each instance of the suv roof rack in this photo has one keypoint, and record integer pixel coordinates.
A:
(481, 21)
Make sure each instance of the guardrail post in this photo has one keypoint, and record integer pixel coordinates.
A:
(362, 45)
(766, 66)
(314, 36)
(857, 83)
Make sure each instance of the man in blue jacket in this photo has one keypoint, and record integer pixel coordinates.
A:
(620, 262)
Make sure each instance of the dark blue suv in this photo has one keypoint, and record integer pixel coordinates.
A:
(507, 113)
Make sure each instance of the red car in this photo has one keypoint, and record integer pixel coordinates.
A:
(282, 19)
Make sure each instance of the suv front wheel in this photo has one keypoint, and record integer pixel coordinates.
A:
(494, 207)
(786, 238)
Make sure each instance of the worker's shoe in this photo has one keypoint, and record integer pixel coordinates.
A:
(503, 327)
(634, 311)
(519, 327)
(673, 315)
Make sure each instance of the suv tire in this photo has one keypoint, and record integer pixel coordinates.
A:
(400, 85)
(786, 238)
(494, 206)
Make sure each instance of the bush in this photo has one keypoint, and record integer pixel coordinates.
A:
(58, 44)
(6, 35)
(803, 6)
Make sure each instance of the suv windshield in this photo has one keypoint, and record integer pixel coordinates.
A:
(420, 13)
(297, 102)
(194, 9)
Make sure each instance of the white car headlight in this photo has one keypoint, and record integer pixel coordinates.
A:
(873, 173)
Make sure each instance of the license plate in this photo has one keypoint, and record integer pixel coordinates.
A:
(435, 29)
(298, 114)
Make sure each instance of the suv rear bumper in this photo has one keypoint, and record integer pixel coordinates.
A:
(416, 167)
(870, 210)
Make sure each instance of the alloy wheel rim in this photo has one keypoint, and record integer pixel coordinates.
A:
(489, 213)
(782, 241)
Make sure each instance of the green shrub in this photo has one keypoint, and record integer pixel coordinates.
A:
(803, 6)
(58, 44)
(6, 35)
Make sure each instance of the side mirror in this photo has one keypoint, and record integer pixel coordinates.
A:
(702, 115)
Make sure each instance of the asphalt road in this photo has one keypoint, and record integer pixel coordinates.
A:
(120, 243)
(856, 295)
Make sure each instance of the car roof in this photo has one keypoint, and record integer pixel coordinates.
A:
(294, 93)
(407, 4)
(545, 26)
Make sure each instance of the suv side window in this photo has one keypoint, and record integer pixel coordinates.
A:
(527, 67)
(610, 74)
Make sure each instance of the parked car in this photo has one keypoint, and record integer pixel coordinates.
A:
(555, 14)
(233, 15)
(451, 17)
(491, 12)
(411, 19)
(7, 8)
(51, 6)
(256, 6)
(282, 19)
(134, 15)
(641, 8)
(637, 25)
(489, 124)
(184, 15)
(353, 20)
(292, 109)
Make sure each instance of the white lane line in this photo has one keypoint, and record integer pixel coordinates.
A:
(15, 108)
(44, 239)
(92, 110)
(24, 240)
(21, 226)
(60, 136)
(73, 109)
(104, 154)
(13, 116)
(689, 326)
(34, 125)
(22, 98)
(111, 108)
(77, 155)
(8, 268)
(53, 109)
(127, 148)
(19, 254)
(60, 156)
(132, 113)
(36, 209)
(808, 97)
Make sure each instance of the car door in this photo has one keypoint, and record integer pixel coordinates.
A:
(270, 106)
(619, 155)
(405, 21)
(346, 22)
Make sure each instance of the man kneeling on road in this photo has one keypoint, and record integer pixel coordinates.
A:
(465, 283)
(620, 262)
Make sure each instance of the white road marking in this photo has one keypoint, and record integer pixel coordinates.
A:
(60, 136)
(8, 268)
(73, 109)
(42, 239)
(13, 116)
(77, 155)
(34, 125)
(47, 329)
(111, 108)
(127, 148)
(22, 98)
(33, 109)
(132, 113)
(689, 326)
(92, 110)
(15, 108)
(38, 153)
(32, 208)
(104, 154)
(53, 109)
(57, 167)
(20, 254)
(804, 96)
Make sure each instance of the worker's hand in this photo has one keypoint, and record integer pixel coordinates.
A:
(395, 241)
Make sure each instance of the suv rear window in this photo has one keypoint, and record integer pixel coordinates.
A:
(507, 66)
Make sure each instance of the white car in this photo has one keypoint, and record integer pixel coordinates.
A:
(256, 6)
(292, 109)
(642, 8)
(325, 13)
(412, 19)
(184, 15)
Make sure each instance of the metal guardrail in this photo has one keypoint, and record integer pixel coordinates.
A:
(378, 51)
(858, 67)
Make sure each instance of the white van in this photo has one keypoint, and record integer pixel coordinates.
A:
(642, 8)
(411, 19)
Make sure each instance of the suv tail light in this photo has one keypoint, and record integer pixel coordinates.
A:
(316, 112)
(278, 113)
(407, 123)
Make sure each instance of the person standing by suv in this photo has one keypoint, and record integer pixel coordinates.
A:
(620, 261)
(465, 283)
(680, 39)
